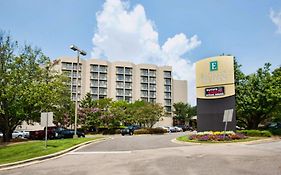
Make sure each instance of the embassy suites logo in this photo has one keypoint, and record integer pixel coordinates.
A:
(213, 65)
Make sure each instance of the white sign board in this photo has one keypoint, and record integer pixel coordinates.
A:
(228, 114)
(46, 116)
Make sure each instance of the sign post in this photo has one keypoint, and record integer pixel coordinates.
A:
(227, 117)
(46, 119)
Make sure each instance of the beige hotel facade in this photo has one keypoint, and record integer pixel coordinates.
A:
(125, 81)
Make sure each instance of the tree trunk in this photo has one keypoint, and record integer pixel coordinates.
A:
(7, 135)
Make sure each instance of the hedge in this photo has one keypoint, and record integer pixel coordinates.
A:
(150, 131)
(255, 133)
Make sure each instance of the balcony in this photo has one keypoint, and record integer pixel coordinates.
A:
(167, 74)
(152, 73)
(128, 78)
(128, 71)
(103, 69)
(94, 68)
(168, 81)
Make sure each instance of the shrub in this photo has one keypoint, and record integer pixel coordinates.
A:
(275, 131)
(111, 131)
(150, 131)
(256, 133)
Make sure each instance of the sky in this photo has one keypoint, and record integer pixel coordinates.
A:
(163, 32)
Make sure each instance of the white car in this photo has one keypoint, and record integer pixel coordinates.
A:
(20, 134)
(178, 129)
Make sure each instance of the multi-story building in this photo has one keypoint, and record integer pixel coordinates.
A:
(125, 81)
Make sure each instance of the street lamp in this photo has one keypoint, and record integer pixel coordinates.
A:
(82, 52)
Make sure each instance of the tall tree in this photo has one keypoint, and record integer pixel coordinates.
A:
(27, 85)
(183, 111)
(258, 96)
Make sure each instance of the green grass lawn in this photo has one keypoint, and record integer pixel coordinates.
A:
(23, 151)
(185, 139)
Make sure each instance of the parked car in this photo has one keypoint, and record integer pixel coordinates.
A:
(185, 128)
(178, 129)
(68, 133)
(129, 130)
(17, 134)
(172, 129)
(40, 134)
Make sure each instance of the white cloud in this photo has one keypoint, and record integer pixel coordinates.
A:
(276, 19)
(126, 34)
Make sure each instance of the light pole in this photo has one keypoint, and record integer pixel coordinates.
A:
(82, 52)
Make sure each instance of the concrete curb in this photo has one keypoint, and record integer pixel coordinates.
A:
(253, 142)
(46, 157)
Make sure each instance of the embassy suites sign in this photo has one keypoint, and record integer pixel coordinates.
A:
(215, 91)
(214, 75)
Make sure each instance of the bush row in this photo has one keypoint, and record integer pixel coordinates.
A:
(255, 133)
(150, 131)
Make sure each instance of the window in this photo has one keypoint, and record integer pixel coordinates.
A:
(102, 91)
(94, 90)
(120, 70)
(128, 71)
(103, 69)
(152, 87)
(120, 85)
(152, 100)
(103, 83)
(167, 74)
(119, 98)
(94, 75)
(128, 85)
(94, 68)
(168, 102)
(152, 80)
(128, 92)
(144, 93)
(152, 94)
(128, 78)
(168, 88)
(144, 79)
(120, 77)
(168, 108)
(144, 86)
(144, 72)
(167, 95)
(128, 99)
(120, 92)
(103, 77)
(94, 83)
(152, 73)
(167, 81)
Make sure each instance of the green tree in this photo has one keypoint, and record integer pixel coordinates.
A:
(258, 96)
(184, 111)
(27, 85)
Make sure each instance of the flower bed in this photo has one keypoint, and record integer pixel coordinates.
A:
(216, 136)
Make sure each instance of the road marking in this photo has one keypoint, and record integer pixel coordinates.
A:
(100, 152)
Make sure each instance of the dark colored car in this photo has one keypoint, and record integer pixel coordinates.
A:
(129, 130)
(40, 134)
(185, 128)
(68, 133)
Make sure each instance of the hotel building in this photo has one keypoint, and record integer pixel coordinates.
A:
(125, 81)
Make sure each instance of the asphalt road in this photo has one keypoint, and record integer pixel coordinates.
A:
(153, 155)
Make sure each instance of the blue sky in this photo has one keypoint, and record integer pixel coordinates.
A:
(196, 28)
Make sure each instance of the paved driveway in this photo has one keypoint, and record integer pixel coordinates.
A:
(153, 155)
